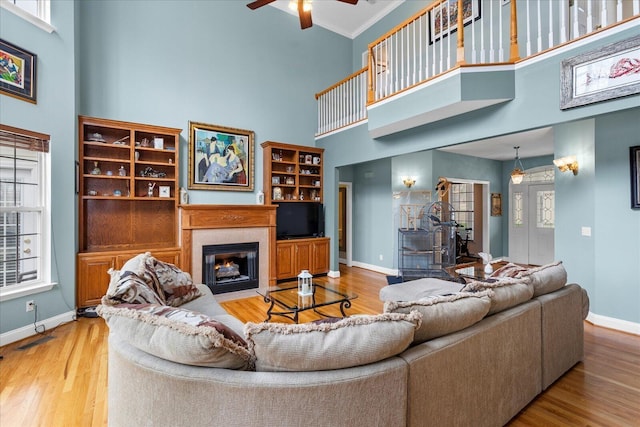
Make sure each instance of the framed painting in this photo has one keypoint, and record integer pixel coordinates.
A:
(496, 204)
(17, 72)
(607, 73)
(634, 154)
(220, 158)
(443, 19)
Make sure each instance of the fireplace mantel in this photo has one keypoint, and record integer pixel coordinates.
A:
(216, 219)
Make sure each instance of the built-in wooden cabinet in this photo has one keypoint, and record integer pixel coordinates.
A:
(293, 256)
(128, 198)
(292, 172)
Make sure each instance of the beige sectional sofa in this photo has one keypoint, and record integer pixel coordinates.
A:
(481, 375)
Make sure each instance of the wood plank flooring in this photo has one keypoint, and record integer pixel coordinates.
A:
(63, 381)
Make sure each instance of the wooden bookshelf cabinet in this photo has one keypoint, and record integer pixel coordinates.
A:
(128, 198)
(293, 173)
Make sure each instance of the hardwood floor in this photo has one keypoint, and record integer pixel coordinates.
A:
(63, 380)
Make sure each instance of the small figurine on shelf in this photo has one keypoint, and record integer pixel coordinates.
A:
(122, 171)
(96, 170)
(150, 190)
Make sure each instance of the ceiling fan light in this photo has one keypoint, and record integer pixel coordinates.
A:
(306, 5)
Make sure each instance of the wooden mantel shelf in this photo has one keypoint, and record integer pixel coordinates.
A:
(217, 217)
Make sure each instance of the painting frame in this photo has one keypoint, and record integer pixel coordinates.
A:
(496, 204)
(220, 158)
(18, 72)
(585, 78)
(436, 33)
(634, 157)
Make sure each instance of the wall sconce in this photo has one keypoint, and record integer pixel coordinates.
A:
(408, 181)
(567, 163)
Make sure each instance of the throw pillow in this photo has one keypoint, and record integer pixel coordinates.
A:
(508, 270)
(547, 278)
(138, 266)
(353, 341)
(177, 285)
(178, 335)
(506, 293)
(442, 315)
(130, 288)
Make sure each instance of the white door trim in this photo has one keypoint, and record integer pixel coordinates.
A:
(349, 223)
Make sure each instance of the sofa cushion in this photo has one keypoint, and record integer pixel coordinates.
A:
(353, 341)
(413, 290)
(129, 287)
(178, 335)
(176, 284)
(508, 270)
(547, 278)
(147, 276)
(442, 315)
(507, 293)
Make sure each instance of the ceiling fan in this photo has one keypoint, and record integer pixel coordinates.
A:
(303, 6)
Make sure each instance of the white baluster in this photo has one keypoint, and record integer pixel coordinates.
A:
(474, 49)
(604, 19)
(551, 24)
(483, 52)
(576, 26)
(619, 11)
(636, 7)
(528, 30)
(500, 41)
(589, 17)
(563, 18)
(539, 29)
(491, 46)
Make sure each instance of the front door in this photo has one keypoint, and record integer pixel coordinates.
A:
(532, 223)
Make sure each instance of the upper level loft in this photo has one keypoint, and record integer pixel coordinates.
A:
(439, 72)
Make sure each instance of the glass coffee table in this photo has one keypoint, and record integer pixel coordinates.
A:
(285, 297)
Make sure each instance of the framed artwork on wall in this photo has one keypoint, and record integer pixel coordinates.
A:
(443, 19)
(220, 158)
(634, 154)
(496, 204)
(17, 72)
(607, 73)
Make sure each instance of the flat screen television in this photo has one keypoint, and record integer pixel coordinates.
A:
(295, 220)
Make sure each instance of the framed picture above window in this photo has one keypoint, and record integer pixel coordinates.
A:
(17, 72)
(220, 158)
(634, 153)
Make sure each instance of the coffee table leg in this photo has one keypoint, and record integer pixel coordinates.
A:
(270, 307)
(343, 305)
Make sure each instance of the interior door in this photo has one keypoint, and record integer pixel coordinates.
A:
(532, 223)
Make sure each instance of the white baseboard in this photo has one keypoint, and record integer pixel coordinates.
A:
(28, 331)
(612, 323)
(376, 268)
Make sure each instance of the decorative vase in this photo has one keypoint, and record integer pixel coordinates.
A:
(96, 170)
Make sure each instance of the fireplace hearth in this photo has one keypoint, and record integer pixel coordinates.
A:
(230, 267)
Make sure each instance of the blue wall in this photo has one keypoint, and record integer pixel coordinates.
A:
(54, 114)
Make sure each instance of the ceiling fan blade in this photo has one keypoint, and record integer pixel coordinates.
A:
(259, 3)
(349, 1)
(305, 16)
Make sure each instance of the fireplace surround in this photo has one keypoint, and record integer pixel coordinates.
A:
(204, 225)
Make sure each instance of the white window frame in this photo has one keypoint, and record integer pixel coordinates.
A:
(42, 20)
(43, 282)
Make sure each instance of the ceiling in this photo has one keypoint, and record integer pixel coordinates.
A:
(342, 18)
(533, 143)
(351, 20)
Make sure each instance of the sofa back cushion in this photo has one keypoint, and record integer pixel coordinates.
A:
(547, 278)
(354, 341)
(442, 315)
(507, 293)
(178, 335)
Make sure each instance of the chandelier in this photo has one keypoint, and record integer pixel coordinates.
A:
(517, 174)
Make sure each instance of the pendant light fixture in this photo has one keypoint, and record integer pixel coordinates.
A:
(517, 174)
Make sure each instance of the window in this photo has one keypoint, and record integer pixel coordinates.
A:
(461, 198)
(24, 211)
(38, 12)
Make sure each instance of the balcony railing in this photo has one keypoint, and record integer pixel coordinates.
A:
(429, 44)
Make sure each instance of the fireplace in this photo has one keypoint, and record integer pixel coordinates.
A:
(231, 267)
